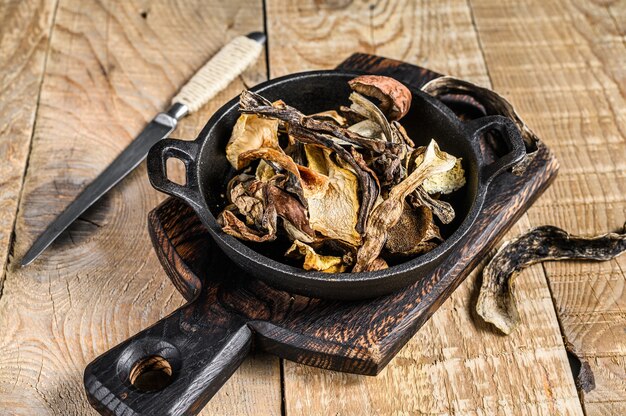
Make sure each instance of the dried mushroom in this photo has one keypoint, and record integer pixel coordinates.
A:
(346, 188)
(251, 132)
(395, 98)
(387, 213)
(493, 104)
(496, 302)
(314, 261)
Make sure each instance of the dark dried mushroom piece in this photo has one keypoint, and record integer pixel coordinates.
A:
(494, 104)
(394, 97)
(413, 233)
(441, 209)
(496, 302)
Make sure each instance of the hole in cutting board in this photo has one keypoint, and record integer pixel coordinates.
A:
(152, 373)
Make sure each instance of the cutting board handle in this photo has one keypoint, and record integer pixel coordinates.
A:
(172, 368)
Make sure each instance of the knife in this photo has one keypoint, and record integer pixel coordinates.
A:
(213, 77)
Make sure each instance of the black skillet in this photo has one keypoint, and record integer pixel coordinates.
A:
(208, 172)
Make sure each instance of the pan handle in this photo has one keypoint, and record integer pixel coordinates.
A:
(172, 368)
(511, 136)
(186, 152)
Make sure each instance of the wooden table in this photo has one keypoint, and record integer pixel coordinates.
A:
(79, 79)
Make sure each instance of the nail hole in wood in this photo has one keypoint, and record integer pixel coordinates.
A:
(152, 373)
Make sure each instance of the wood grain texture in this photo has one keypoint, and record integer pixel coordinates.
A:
(442, 371)
(112, 66)
(24, 38)
(562, 64)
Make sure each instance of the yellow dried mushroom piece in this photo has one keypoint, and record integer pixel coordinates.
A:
(251, 132)
(314, 261)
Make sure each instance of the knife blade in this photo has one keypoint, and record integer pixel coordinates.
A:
(214, 76)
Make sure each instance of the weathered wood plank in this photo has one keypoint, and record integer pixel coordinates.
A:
(24, 38)
(112, 66)
(455, 364)
(562, 64)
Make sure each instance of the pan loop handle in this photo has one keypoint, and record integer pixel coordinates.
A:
(511, 136)
(186, 152)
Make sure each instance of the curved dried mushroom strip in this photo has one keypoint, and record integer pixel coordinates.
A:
(254, 103)
(290, 210)
(276, 156)
(395, 98)
(370, 111)
(494, 104)
(234, 226)
(496, 302)
(387, 213)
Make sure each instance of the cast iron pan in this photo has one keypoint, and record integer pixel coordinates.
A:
(208, 172)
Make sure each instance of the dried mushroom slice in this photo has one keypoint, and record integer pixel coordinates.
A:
(496, 302)
(368, 129)
(395, 98)
(413, 233)
(334, 201)
(446, 182)
(314, 261)
(370, 111)
(292, 212)
(331, 116)
(385, 215)
(251, 132)
(234, 226)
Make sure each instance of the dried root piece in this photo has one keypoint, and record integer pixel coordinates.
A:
(496, 302)
(494, 104)
(314, 261)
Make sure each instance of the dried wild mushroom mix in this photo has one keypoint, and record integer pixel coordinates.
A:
(347, 188)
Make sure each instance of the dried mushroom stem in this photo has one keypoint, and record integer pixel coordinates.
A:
(496, 302)
(494, 104)
(441, 209)
(253, 103)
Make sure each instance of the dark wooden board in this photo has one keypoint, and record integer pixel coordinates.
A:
(229, 313)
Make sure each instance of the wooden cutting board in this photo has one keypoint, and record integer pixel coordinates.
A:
(229, 313)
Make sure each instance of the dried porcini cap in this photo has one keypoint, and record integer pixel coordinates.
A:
(395, 98)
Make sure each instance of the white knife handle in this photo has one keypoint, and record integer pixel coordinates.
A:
(217, 73)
